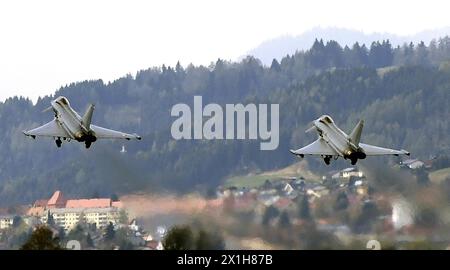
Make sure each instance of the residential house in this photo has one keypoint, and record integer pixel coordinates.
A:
(288, 189)
(32, 221)
(347, 173)
(136, 240)
(133, 226)
(154, 245)
(412, 163)
(6, 221)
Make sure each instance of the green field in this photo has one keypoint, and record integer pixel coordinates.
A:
(382, 71)
(439, 175)
(249, 181)
(295, 170)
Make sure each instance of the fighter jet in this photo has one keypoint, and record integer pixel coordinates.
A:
(69, 125)
(333, 142)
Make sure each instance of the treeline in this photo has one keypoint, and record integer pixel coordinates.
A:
(330, 54)
(403, 99)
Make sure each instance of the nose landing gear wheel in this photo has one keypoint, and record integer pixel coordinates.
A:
(88, 144)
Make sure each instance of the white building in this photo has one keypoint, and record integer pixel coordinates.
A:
(347, 173)
(413, 163)
(6, 221)
(68, 218)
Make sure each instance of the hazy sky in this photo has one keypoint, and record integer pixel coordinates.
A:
(45, 44)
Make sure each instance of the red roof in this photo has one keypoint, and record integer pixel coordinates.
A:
(117, 204)
(88, 203)
(283, 202)
(56, 200)
(153, 244)
(40, 203)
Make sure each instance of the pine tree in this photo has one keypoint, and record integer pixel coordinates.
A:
(341, 201)
(178, 238)
(110, 232)
(89, 241)
(284, 221)
(275, 66)
(42, 239)
(270, 213)
(50, 220)
(304, 211)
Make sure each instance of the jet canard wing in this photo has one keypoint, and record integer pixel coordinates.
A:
(104, 133)
(51, 129)
(372, 150)
(318, 147)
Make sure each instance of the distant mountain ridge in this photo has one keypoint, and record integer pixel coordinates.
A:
(281, 46)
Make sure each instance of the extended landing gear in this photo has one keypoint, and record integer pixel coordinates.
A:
(88, 144)
(327, 159)
(353, 161)
(88, 140)
(58, 142)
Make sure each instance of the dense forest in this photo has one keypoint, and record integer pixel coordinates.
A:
(403, 93)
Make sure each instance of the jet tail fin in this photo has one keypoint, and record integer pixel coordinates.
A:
(87, 117)
(355, 136)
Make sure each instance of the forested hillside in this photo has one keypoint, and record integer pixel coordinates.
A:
(403, 94)
(278, 47)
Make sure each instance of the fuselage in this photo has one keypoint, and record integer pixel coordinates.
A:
(337, 139)
(71, 121)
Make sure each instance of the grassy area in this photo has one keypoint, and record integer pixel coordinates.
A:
(296, 170)
(249, 181)
(382, 71)
(439, 175)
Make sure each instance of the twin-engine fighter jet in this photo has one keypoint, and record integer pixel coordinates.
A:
(68, 125)
(333, 142)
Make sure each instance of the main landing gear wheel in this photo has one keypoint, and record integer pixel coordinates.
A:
(327, 160)
(58, 142)
(88, 144)
(353, 161)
